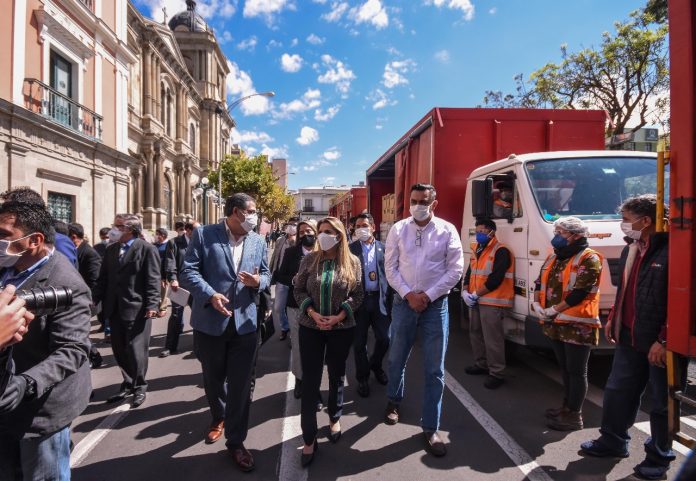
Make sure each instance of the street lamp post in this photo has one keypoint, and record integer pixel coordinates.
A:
(205, 190)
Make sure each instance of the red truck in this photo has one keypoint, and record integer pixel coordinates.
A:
(447, 144)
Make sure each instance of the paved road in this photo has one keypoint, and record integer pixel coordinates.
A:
(492, 435)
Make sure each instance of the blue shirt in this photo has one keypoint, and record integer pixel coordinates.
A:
(66, 247)
(125, 246)
(9, 275)
(370, 265)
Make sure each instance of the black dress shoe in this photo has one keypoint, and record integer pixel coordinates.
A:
(297, 392)
(138, 399)
(475, 370)
(283, 335)
(334, 436)
(119, 396)
(363, 389)
(307, 459)
(381, 376)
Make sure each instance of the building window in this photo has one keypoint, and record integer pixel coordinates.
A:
(192, 138)
(61, 206)
(308, 205)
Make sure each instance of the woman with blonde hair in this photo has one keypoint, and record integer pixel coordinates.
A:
(328, 290)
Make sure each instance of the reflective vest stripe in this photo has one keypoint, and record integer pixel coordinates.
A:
(482, 267)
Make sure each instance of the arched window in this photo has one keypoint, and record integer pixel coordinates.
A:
(163, 104)
(169, 113)
(192, 138)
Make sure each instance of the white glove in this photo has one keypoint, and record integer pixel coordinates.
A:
(550, 312)
(538, 310)
(469, 299)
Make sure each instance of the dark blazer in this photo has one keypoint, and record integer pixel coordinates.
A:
(385, 293)
(288, 269)
(132, 287)
(174, 257)
(208, 269)
(100, 249)
(54, 353)
(89, 264)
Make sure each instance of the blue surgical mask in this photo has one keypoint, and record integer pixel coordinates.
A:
(558, 241)
(482, 238)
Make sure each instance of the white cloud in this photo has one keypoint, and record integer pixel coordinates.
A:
(321, 116)
(311, 99)
(332, 154)
(493, 10)
(266, 9)
(291, 63)
(206, 8)
(379, 127)
(394, 72)
(321, 2)
(308, 136)
(244, 137)
(239, 84)
(336, 73)
(338, 9)
(316, 165)
(248, 44)
(315, 39)
(274, 152)
(328, 180)
(466, 7)
(294, 42)
(442, 56)
(373, 12)
(274, 44)
(380, 100)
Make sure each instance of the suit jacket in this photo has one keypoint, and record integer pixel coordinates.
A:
(175, 256)
(385, 292)
(288, 269)
(89, 264)
(208, 269)
(128, 289)
(275, 258)
(54, 353)
(100, 249)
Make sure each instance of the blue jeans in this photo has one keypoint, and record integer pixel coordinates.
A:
(45, 458)
(630, 374)
(432, 326)
(281, 300)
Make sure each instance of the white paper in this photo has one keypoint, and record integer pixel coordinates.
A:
(179, 296)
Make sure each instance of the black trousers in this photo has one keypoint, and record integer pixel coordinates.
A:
(572, 359)
(130, 341)
(368, 316)
(175, 327)
(316, 347)
(228, 365)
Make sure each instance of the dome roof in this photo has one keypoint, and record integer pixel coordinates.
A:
(188, 20)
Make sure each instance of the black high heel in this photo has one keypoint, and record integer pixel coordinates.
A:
(307, 459)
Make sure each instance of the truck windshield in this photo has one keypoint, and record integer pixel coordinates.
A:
(591, 187)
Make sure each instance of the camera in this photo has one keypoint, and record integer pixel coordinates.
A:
(44, 301)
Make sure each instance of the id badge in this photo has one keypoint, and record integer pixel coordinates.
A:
(373, 276)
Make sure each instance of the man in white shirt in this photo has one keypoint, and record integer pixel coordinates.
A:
(423, 262)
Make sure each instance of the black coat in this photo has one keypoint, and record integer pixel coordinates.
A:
(89, 264)
(174, 257)
(101, 249)
(651, 292)
(132, 287)
(54, 353)
(288, 269)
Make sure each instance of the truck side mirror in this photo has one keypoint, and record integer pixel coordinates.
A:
(481, 198)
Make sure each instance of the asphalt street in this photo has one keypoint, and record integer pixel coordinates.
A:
(491, 435)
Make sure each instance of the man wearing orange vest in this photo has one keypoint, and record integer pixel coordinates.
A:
(488, 291)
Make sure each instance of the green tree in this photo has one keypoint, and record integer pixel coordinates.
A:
(278, 205)
(628, 76)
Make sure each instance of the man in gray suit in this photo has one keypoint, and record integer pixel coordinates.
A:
(129, 290)
(48, 384)
(225, 267)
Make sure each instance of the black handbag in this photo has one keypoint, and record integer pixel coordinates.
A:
(267, 329)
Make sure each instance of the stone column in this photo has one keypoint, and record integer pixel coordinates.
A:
(159, 179)
(147, 79)
(135, 181)
(149, 179)
(187, 190)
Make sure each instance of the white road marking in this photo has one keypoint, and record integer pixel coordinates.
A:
(595, 396)
(514, 451)
(290, 468)
(89, 442)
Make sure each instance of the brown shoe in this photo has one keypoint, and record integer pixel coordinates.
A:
(391, 415)
(566, 421)
(215, 432)
(555, 412)
(243, 458)
(434, 444)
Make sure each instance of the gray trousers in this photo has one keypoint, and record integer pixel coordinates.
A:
(487, 338)
(295, 361)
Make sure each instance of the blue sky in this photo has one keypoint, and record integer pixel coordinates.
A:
(351, 76)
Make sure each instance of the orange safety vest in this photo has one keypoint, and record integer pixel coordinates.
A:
(587, 311)
(482, 267)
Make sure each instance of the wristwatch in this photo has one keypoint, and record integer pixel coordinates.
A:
(30, 390)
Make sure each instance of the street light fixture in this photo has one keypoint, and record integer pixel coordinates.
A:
(206, 191)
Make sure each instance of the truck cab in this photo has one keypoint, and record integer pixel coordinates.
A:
(590, 185)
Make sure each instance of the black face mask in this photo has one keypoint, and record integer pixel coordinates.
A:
(309, 240)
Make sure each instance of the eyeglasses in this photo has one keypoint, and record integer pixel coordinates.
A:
(118, 226)
(419, 237)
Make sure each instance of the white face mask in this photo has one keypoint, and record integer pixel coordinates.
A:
(115, 235)
(7, 259)
(420, 212)
(363, 233)
(291, 230)
(627, 228)
(327, 241)
(250, 221)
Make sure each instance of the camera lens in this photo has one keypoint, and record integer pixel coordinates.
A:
(42, 301)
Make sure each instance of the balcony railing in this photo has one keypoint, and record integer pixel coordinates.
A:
(308, 208)
(42, 99)
(88, 3)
